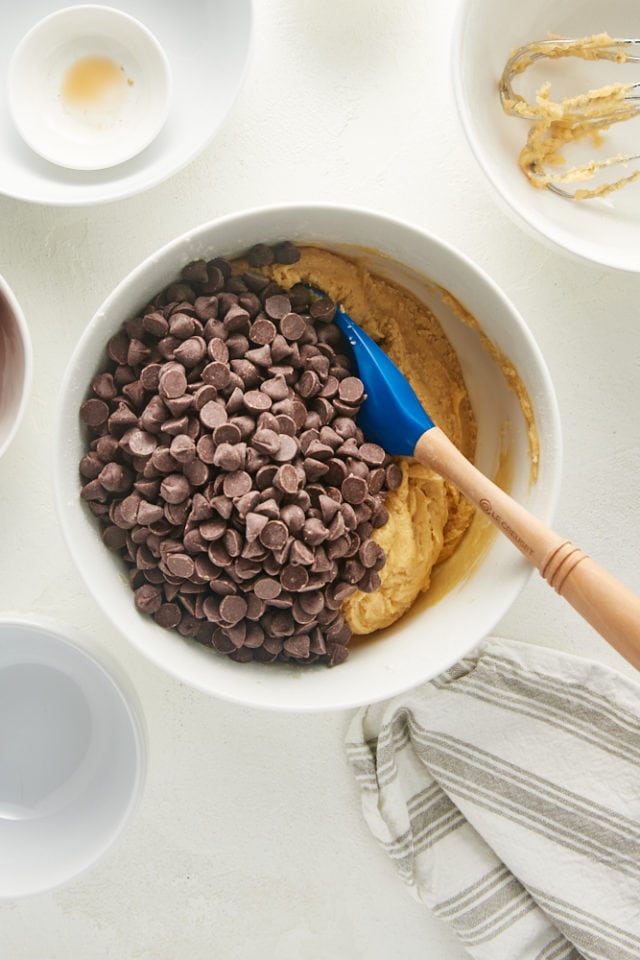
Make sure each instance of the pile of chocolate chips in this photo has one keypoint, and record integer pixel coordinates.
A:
(226, 466)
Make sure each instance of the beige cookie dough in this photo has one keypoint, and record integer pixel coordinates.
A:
(427, 516)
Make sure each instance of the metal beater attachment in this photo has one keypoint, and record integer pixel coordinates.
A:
(558, 124)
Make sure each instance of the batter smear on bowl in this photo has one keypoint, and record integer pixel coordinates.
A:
(226, 466)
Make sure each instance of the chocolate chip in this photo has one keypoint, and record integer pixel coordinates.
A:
(104, 387)
(191, 351)
(370, 582)
(262, 331)
(280, 349)
(213, 529)
(217, 374)
(373, 454)
(139, 442)
(368, 553)
(274, 535)
(266, 441)
(173, 382)
(351, 390)
(394, 476)
(155, 324)
(292, 326)
(114, 538)
(228, 457)
(236, 484)
(196, 272)
(298, 647)
(237, 319)
(354, 489)
(115, 478)
(287, 448)
(286, 252)
(94, 491)
(221, 265)
(94, 412)
(260, 255)
(182, 449)
(169, 615)
(323, 309)
(180, 565)
(309, 384)
(276, 388)
(277, 306)
(314, 531)
(294, 577)
(282, 624)
(255, 401)
(148, 598)
(175, 488)
(213, 414)
(90, 466)
(232, 542)
(227, 433)
(267, 588)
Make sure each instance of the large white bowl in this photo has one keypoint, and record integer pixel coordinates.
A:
(207, 44)
(426, 642)
(603, 230)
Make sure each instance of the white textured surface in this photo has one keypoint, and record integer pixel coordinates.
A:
(249, 842)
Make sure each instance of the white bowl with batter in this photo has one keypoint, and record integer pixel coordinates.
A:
(603, 230)
(433, 635)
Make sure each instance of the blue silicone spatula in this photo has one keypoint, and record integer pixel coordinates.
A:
(393, 417)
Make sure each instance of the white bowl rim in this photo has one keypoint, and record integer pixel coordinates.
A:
(536, 226)
(108, 196)
(117, 15)
(114, 674)
(188, 236)
(25, 338)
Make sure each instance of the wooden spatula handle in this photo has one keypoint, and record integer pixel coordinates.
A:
(610, 607)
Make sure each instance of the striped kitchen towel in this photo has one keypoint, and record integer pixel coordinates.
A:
(507, 794)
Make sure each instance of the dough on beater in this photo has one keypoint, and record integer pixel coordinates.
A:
(560, 123)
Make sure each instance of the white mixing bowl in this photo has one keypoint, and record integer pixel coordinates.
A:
(603, 230)
(429, 639)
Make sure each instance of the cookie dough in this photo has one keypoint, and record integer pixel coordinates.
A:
(427, 516)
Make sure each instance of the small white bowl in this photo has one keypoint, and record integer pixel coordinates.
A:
(188, 32)
(72, 757)
(431, 637)
(604, 230)
(15, 365)
(89, 87)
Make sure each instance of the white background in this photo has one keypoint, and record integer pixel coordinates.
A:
(249, 842)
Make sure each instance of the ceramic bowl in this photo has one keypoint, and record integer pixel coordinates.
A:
(72, 756)
(432, 636)
(602, 230)
(89, 87)
(15, 365)
(207, 46)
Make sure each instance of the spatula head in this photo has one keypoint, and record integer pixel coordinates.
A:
(391, 415)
